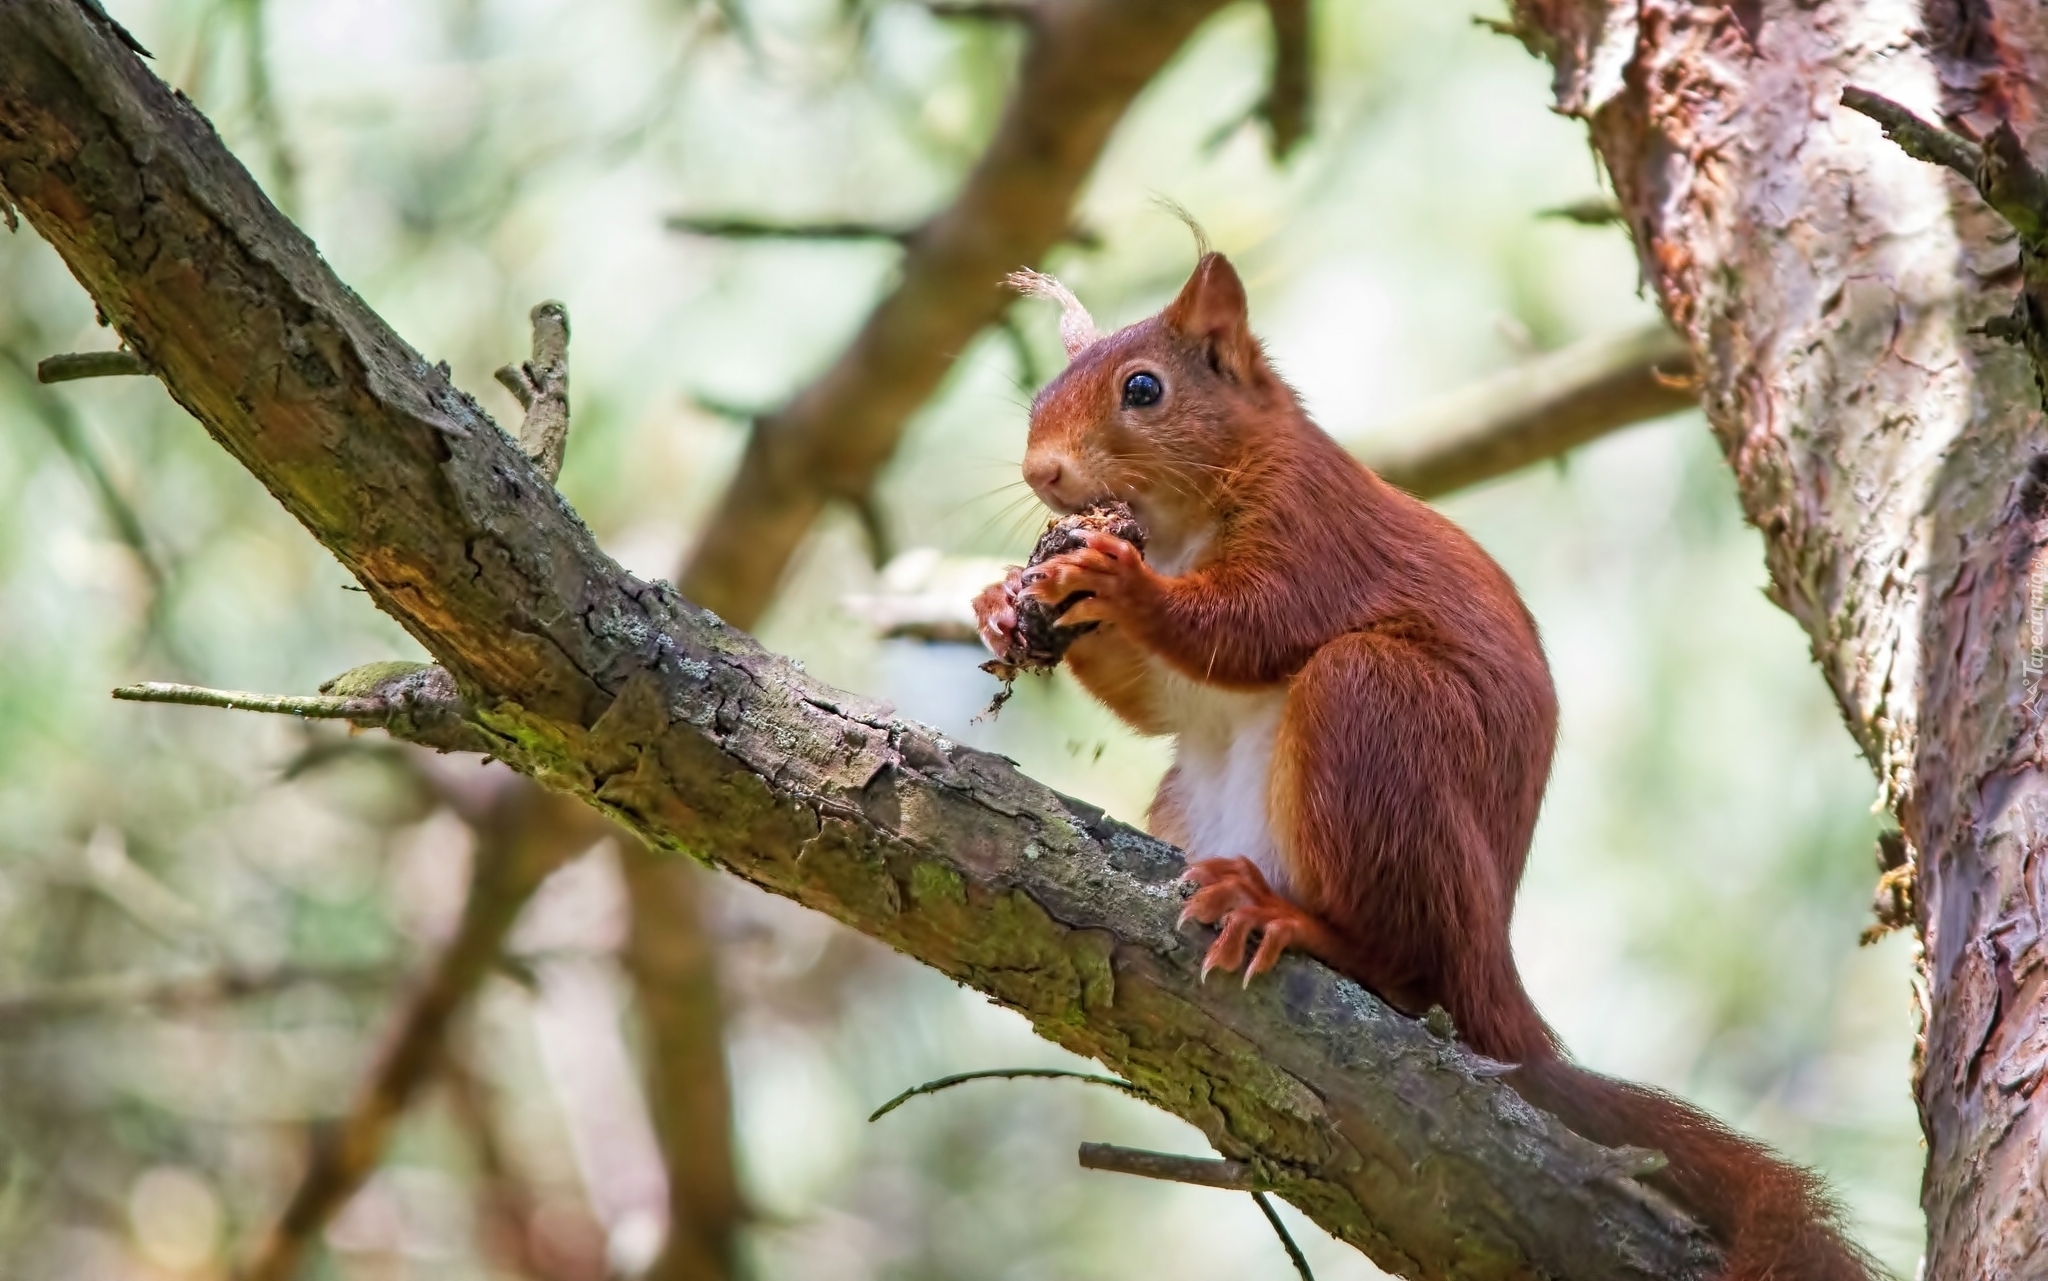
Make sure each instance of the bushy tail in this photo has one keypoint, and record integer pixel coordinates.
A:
(1774, 1220)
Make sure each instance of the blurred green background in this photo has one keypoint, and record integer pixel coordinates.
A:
(1700, 876)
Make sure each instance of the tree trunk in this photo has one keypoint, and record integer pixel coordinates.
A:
(1828, 285)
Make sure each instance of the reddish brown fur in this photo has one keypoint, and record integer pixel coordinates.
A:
(1416, 733)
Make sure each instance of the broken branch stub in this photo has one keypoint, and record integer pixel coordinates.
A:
(541, 386)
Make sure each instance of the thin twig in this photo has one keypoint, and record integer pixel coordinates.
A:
(1198, 1171)
(984, 10)
(961, 1078)
(1294, 1254)
(541, 386)
(74, 365)
(312, 706)
(1916, 137)
(118, 992)
(1201, 1171)
(415, 701)
(760, 229)
(1593, 211)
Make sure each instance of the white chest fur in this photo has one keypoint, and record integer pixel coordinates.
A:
(1222, 768)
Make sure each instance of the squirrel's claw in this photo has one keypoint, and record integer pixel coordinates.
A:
(1234, 896)
(995, 612)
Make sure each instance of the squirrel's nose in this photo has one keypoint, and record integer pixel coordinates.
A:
(1044, 472)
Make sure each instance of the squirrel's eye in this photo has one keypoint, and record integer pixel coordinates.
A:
(1142, 389)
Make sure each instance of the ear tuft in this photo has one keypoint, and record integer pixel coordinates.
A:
(1077, 327)
(1211, 310)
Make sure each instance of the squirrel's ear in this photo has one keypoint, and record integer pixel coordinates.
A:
(1211, 311)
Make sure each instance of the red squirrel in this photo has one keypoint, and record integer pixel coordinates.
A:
(1363, 720)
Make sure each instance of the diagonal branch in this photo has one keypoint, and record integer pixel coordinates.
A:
(1538, 410)
(623, 693)
(1084, 63)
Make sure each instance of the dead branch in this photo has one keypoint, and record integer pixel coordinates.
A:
(1002, 1074)
(418, 703)
(89, 364)
(1206, 1172)
(686, 730)
(541, 386)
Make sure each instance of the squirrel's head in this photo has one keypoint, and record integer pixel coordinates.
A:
(1163, 414)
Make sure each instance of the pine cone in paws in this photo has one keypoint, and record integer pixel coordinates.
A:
(1040, 642)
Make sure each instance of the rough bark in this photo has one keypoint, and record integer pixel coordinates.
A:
(685, 730)
(1891, 458)
(1086, 61)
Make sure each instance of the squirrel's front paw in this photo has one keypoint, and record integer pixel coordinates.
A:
(995, 612)
(1108, 574)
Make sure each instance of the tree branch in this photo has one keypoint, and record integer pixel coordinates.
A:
(1084, 64)
(1537, 410)
(1290, 82)
(415, 702)
(673, 963)
(984, 10)
(157, 992)
(758, 229)
(687, 731)
(1915, 136)
(541, 386)
(89, 364)
(1207, 1172)
(513, 857)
